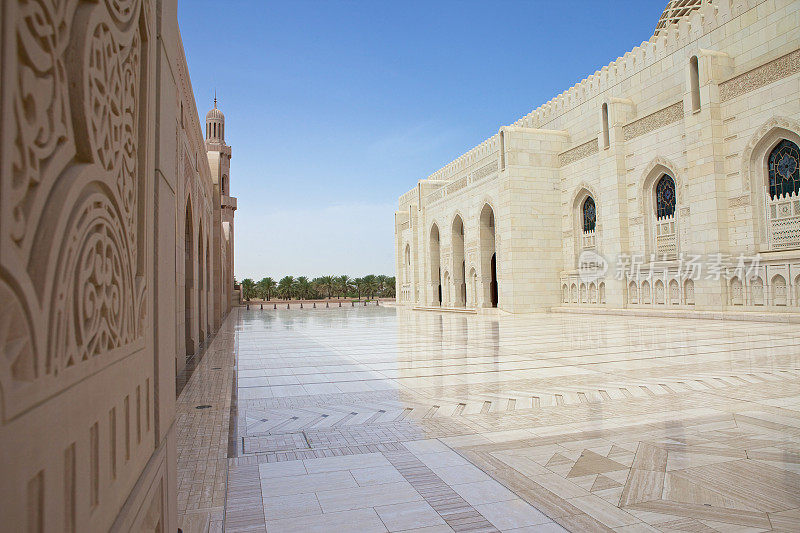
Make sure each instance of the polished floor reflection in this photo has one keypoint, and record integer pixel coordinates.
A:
(375, 419)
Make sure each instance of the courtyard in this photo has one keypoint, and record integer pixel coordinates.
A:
(381, 418)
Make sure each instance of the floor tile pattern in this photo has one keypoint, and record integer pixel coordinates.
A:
(376, 419)
(458, 514)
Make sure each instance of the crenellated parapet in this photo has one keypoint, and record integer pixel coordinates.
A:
(707, 16)
(702, 20)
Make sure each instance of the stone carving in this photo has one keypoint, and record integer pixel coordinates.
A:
(71, 185)
(760, 76)
(438, 194)
(456, 185)
(579, 152)
(95, 303)
(739, 201)
(757, 137)
(653, 121)
(484, 171)
(649, 177)
(43, 140)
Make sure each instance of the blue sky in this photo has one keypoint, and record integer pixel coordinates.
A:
(334, 109)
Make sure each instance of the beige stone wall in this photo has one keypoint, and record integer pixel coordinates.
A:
(100, 149)
(748, 65)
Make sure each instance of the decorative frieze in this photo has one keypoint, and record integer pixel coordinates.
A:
(438, 194)
(653, 121)
(739, 201)
(579, 152)
(484, 171)
(760, 76)
(456, 185)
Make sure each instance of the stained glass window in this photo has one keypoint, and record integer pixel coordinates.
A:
(784, 169)
(589, 215)
(665, 197)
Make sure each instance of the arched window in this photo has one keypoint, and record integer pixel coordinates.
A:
(589, 215)
(784, 169)
(665, 197)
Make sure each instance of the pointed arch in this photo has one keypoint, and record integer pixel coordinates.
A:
(488, 255)
(459, 265)
(657, 167)
(434, 261)
(661, 234)
(762, 141)
(755, 180)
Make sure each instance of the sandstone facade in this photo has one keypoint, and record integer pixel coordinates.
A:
(104, 286)
(569, 206)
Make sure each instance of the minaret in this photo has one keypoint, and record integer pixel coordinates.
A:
(219, 161)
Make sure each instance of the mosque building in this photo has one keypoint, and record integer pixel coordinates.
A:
(665, 181)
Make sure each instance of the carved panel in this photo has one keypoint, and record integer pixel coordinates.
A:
(456, 185)
(760, 76)
(72, 271)
(579, 152)
(484, 171)
(739, 201)
(653, 121)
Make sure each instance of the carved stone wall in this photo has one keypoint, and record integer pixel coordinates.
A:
(653, 121)
(579, 152)
(88, 211)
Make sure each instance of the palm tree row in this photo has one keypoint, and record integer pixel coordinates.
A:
(301, 288)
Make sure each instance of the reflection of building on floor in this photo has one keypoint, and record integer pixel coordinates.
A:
(116, 232)
(686, 147)
(372, 414)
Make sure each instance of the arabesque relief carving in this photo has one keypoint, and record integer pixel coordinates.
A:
(72, 271)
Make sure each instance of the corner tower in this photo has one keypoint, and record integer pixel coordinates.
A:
(219, 160)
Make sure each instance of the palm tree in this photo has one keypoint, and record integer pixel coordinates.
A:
(326, 282)
(358, 283)
(343, 284)
(390, 287)
(370, 285)
(286, 286)
(303, 287)
(248, 288)
(265, 288)
(318, 285)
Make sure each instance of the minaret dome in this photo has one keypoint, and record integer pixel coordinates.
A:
(215, 124)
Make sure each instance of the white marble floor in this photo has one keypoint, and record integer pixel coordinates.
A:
(376, 419)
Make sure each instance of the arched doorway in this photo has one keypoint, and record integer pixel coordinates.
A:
(489, 285)
(435, 270)
(458, 267)
(188, 278)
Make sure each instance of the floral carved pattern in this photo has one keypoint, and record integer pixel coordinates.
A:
(653, 121)
(112, 79)
(73, 287)
(95, 309)
(41, 106)
(579, 152)
(759, 77)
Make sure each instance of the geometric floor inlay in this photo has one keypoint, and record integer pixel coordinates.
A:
(378, 419)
